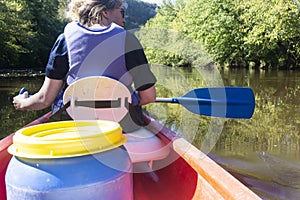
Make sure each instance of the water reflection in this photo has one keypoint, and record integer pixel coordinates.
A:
(271, 177)
(11, 119)
(262, 152)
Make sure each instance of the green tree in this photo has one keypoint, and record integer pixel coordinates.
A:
(165, 16)
(47, 25)
(237, 33)
(272, 33)
(138, 13)
(28, 30)
(15, 32)
(215, 23)
(164, 45)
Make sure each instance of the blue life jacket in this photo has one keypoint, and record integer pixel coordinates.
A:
(95, 52)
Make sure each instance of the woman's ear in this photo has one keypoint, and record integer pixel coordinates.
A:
(105, 13)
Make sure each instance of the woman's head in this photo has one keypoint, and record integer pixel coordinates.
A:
(91, 12)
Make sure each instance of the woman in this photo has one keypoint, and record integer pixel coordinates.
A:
(94, 43)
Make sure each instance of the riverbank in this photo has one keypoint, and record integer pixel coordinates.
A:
(21, 72)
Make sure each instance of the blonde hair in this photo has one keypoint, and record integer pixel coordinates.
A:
(89, 12)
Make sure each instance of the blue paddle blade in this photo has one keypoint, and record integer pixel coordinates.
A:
(225, 102)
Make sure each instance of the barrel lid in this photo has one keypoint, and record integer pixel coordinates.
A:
(67, 139)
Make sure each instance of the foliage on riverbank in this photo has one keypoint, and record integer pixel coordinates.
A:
(259, 34)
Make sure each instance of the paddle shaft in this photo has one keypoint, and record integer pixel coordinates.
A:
(187, 100)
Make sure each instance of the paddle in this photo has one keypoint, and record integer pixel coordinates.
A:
(228, 102)
(235, 102)
(88, 95)
(102, 97)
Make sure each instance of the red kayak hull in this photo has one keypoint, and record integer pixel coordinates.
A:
(192, 175)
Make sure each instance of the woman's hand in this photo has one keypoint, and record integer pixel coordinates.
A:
(40, 100)
(17, 100)
(147, 96)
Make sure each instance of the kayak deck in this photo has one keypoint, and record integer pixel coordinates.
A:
(191, 175)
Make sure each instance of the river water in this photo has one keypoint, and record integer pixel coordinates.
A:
(262, 152)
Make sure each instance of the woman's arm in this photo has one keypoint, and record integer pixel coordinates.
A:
(40, 100)
(137, 65)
